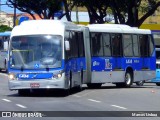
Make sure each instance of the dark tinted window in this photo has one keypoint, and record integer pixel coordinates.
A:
(107, 45)
(151, 44)
(80, 42)
(73, 39)
(158, 54)
(127, 45)
(96, 44)
(116, 40)
(144, 45)
(135, 45)
(100, 44)
(158, 66)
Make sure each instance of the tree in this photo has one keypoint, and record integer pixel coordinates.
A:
(44, 8)
(151, 8)
(68, 6)
(97, 9)
(4, 28)
(128, 11)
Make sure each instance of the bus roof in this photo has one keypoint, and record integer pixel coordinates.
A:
(7, 33)
(33, 27)
(117, 28)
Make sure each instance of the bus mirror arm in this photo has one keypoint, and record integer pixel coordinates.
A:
(67, 46)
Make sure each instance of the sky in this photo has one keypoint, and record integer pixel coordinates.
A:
(5, 8)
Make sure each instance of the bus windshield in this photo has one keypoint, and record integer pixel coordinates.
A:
(36, 51)
(158, 54)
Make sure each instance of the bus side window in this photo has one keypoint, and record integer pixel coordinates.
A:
(96, 44)
(1, 45)
(144, 45)
(74, 45)
(107, 44)
(67, 38)
(127, 45)
(116, 45)
(151, 44)
(135, 46)
(80, 42)
(71, 37)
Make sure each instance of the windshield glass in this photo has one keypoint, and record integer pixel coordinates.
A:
(4, 42)
(158, 54)
(37, 51)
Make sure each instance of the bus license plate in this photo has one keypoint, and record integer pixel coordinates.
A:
(34, 85)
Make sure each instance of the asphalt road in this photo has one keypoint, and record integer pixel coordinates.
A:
(107, 98)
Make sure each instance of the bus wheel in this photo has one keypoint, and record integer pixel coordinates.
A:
(158, 84)
(94, 85)
(140, 83)
(128, 79)
(81, 81)
(5, 67)
(23, 92)
(70, 80)
(68, 90)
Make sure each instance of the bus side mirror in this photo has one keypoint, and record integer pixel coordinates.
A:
(67, 45)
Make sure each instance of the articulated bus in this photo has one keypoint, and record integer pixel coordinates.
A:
(121, 55)
(4, 40)
(49, 54)
(46, 54)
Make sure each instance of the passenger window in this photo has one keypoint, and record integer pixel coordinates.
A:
(135, 45)
(106, 44)
(96, 44)
(144, 45)
(127, 45)
(116, 45)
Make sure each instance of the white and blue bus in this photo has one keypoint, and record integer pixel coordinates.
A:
(157, 78)
(46, 54)
(121, 55)
(4, 40)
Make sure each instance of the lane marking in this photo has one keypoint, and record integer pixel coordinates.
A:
(118, 106)
(94, 100)
(6, 100)
(87, 93)
(76, 96)
(19, 105)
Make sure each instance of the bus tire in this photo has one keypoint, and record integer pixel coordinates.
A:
(5, 66)
(94, 85)
(128, 79)
(70, 80)
(81, 81)
(140, 83)
(158, 84)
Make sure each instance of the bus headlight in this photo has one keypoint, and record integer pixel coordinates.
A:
(59, 75)
(11, 76)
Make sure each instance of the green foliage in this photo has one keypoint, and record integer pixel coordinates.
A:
(130, 12)
(44, 8)
(4, 28)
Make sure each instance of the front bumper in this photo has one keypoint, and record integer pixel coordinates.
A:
(60, 83)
